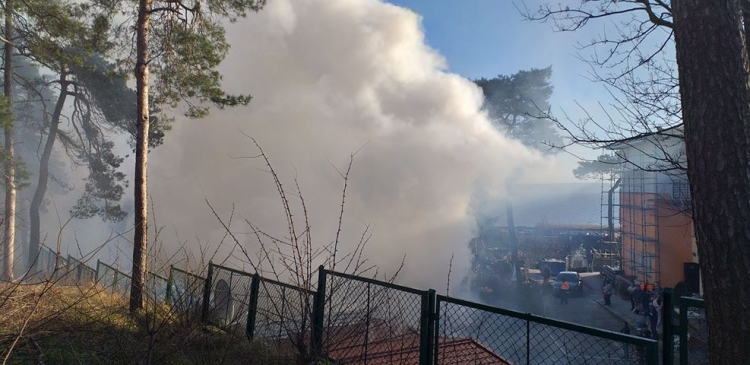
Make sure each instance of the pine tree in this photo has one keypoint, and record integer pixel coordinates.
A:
(179, 44)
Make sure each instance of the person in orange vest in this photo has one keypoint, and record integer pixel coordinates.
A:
(564, 289)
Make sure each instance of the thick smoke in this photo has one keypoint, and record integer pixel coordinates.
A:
(330, 78)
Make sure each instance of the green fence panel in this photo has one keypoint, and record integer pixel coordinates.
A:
(186, 293)
(366, 319)
(51, 265)
(472, 333)
(228, 298)
(693, 332)
(156, 288)
(112, 279)
(79, 272)
(105, 275)
(283, 317)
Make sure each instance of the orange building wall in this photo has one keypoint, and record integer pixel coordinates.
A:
(644, 219)
(676, 243)
(638, 221)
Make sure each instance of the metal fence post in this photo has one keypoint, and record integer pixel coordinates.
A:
(436, 332)
(229, 308)
(70, 271)
(207, 292)
(318, 314)
(528, 340)
(98, 263)
(683, 332)
(114, 281)
(652, 353)
(170, 278)
(252, 306)
(667, 309)
(368, 315)
(427, 328)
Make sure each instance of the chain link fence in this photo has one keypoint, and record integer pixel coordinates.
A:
(281, 316)
(185, 293)
(79, 272)
(229, 298)
(357, 320)
(112, 279)
(471, 333)
(371, 321)
(693, 332)
(156, 287)
(50, 265)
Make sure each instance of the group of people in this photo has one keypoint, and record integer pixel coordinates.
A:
(646, 300)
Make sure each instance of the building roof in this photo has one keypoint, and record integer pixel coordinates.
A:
(405, 350)
(671, 132)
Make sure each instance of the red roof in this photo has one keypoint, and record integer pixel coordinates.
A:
(404, 349)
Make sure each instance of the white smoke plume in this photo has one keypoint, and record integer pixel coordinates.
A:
(330, 78)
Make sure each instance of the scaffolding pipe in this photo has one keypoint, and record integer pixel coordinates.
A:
(610, 212)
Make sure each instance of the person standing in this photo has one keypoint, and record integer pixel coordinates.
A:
(645, 303)
(631, 294)
(653, 318)
(625, 346)
(638, 298)
(657, 304)
(607, 291)
(546, 273)
(564, 289)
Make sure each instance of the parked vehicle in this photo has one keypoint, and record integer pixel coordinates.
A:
(573, 279)
(555, 266)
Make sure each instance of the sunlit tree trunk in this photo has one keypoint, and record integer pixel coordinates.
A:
(140, 241)
(9, 224)
(713, 68)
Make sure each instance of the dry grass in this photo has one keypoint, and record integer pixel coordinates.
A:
(83, 324)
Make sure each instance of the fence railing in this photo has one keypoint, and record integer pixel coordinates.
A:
(472, 333)
(364, 319)
(353, 319)
(228, 294)
(156, 287)
(50, 265)
(185, 293)
(693, 332)
(280, 314)
(79, 272)
(112, 279)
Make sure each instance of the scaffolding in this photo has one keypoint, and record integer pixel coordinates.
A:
(630, 215)
(646, 205)
(610, 218)
(640, 224)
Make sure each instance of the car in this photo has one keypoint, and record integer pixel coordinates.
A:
(573, 279)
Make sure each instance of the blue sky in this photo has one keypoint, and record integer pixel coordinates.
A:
(484, 38)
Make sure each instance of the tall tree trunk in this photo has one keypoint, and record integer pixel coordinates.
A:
(41, 187)
(9, 236)
(713, 69)
(140, 241)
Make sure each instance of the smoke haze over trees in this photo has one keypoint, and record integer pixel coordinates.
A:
(518, 104)
(372, 86)
(329, 78)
